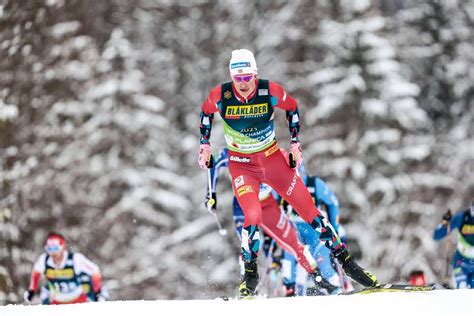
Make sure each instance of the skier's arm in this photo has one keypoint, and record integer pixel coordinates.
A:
(283, 100)
(84, 265)
(208, 108)
(34, 281)
(442, 229)
(38, 270)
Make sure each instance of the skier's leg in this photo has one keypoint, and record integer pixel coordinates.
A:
(290, 187)
(246, 190)
(460, 274)
(300, 281)
(277, 225)
(238, 216)
(328, 272)
(319, 252)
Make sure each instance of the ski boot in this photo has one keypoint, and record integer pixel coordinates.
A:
(321, 286)
(354, 271)
(248, 285)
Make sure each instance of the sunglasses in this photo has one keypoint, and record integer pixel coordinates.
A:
(244, 78)
(53, 249)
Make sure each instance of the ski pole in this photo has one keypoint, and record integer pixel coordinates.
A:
(448, 248)
(211, 201)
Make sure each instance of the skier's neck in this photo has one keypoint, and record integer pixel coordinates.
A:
(244, 96)
(58, 260)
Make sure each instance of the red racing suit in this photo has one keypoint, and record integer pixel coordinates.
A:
(254, 157)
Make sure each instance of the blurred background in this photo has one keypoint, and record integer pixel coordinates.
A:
(99, 130)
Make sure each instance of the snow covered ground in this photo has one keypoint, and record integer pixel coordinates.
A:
(441, 302)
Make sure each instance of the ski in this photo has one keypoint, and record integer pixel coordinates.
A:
(388, 287)
(385, 287)
(237, 298)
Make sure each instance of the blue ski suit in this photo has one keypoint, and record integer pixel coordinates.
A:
(463, 260)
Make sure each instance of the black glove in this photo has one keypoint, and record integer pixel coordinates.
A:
(28, 295)
(447, 216)
(99, 296)
(211, 201)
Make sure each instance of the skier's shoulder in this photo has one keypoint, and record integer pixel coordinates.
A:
(216, 90)
(325, 192)
(318, 183)
(84, 264)
(78, 256)
(460, 217)
(275, 88)
(273, 84)
(323, 186)
(42, 258)
(210, 105)
(40, 263)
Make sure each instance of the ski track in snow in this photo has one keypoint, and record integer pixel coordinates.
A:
(440, 302)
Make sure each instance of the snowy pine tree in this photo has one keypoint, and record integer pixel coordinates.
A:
(436, 39)
(369, 135)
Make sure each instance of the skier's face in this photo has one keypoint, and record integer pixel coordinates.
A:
(245, 83)
(54, 247)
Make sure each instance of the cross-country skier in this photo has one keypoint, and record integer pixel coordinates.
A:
(463, 260)
(274, 222)
(63, 270)
(246, 105)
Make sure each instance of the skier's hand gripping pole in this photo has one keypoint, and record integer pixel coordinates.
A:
(295, 155)
(211, 208)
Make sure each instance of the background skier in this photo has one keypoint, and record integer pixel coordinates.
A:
(62, 270)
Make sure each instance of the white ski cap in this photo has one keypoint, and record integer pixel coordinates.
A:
(242, 62)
